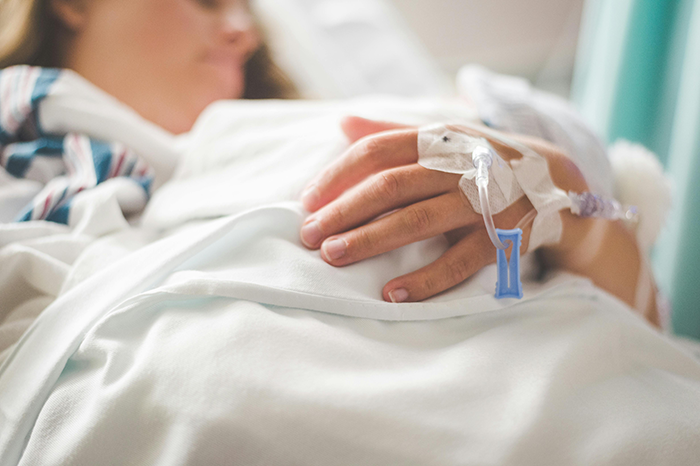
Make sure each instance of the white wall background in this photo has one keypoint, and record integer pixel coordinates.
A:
(533, 38)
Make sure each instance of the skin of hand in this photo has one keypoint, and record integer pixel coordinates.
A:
(376, 198)
(166, 59)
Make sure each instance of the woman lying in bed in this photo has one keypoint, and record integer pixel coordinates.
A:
(169, 59)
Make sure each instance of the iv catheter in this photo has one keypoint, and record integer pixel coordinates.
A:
(508, 284)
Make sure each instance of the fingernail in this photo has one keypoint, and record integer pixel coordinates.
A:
(311, 234)
(310, 197)
(335, 248)
(398, 295)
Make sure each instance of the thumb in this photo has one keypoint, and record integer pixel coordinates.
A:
(356, 127)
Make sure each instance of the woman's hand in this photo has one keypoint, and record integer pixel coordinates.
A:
(380, 174)
(376, 198)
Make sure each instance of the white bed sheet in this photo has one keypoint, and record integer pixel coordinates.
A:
(195, 339)
(251, 351)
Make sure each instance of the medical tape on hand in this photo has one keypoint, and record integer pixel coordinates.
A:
(447, 149)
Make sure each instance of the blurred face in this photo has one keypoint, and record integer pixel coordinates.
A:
(167, 59)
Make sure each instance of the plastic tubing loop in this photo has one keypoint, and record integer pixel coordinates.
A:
(482, 159)
(488, 218)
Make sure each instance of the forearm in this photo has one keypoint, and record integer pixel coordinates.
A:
(604, 251)
(608, 254)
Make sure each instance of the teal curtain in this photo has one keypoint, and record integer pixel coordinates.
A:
(637, 77)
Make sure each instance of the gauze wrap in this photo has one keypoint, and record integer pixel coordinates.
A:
(446, 149)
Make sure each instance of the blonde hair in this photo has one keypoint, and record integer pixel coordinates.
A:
(29, 33)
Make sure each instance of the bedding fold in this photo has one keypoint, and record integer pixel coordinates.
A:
(207, 334)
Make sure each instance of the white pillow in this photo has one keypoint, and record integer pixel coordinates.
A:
(345, 48)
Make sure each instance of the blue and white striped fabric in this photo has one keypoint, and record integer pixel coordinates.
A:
(66, 163)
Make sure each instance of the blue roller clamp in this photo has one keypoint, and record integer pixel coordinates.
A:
(508, 284)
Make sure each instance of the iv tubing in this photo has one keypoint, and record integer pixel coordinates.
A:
(525, 221)
(482, 159)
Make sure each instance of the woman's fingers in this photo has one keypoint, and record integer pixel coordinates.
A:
(472, 250)
(413, 223)
(367, 156)
(379, 194)
(457, 264)
(357, 127)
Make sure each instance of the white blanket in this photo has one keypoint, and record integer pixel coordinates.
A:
(200, 340)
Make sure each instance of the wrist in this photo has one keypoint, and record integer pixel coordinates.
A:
(581, 242)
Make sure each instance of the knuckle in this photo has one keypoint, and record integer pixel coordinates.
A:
(485, 252)
(571, 167)
(565, 173)
(370, 148)
(361, 240)
(458, 271)
(386, 185)
(418, 219)
(333, 219)
(428, 285)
